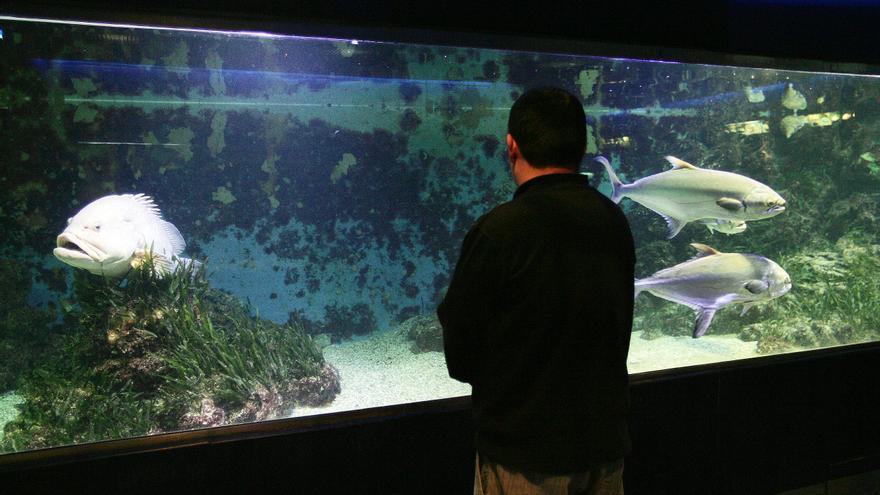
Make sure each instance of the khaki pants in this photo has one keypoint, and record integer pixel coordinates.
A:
(495, 479)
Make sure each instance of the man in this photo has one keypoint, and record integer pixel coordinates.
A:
(538, 316)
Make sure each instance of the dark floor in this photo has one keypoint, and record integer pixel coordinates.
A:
(860, 484)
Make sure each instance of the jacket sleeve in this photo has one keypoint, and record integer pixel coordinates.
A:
(468, 305)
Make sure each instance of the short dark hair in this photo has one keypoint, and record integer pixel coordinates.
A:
(550, 127)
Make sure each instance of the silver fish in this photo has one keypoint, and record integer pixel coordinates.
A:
(688, 193)
(114, 233)
(713, 280)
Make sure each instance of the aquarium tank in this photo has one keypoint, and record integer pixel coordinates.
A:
(205, 228)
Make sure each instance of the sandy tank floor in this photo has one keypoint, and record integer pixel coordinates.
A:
(382, 370)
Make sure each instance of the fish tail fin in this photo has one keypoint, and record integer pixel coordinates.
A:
(616, 185)
(638, 287)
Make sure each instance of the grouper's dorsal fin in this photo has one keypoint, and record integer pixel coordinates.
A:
(146, 202)
(676, 163)
(704, 250)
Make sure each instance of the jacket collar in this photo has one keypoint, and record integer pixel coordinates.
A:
(546, 180)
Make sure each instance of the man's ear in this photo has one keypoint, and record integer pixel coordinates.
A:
(512, 148)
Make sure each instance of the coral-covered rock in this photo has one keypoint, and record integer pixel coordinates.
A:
(208, 414)
(265, 404)
(316, 390)
(425, 332)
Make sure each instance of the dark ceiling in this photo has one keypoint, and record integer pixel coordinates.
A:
(833, 31)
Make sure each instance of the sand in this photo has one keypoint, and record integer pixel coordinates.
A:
(382, 370)
(674, 352)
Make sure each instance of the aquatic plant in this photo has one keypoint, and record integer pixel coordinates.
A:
(835, 299)
(23, 329)
(160, 353)
(655, 317)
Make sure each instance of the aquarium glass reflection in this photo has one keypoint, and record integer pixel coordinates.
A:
(205, 228)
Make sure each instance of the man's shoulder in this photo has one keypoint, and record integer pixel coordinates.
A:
(501, 215)
(503, 220)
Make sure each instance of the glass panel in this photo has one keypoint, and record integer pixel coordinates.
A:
(322, 189)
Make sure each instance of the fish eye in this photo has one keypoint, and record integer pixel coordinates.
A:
(98, 228)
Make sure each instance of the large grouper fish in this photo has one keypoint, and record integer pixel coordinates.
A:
(114, 233)
(713, 280)
(688, 193)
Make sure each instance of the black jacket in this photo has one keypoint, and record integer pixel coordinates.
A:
(537, 319)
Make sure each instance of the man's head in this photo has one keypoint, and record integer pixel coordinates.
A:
(547, 127)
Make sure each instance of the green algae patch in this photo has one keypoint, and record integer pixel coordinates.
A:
(586, 81)
(178, 58)
(215, 64)
(85, 114)
(217, 140)
(182, 137)
(223, 195)
(342, 167)
(592, 146)
(83, 86)
(270, 186)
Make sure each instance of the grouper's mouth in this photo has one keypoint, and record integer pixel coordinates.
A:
(71, 247)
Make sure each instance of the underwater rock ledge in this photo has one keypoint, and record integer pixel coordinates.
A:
(424, 332)
(265, 404)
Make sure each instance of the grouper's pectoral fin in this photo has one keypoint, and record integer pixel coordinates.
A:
(704, 319)
(675, 225)
(730, 204)
(160, 263)
(163, 264)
